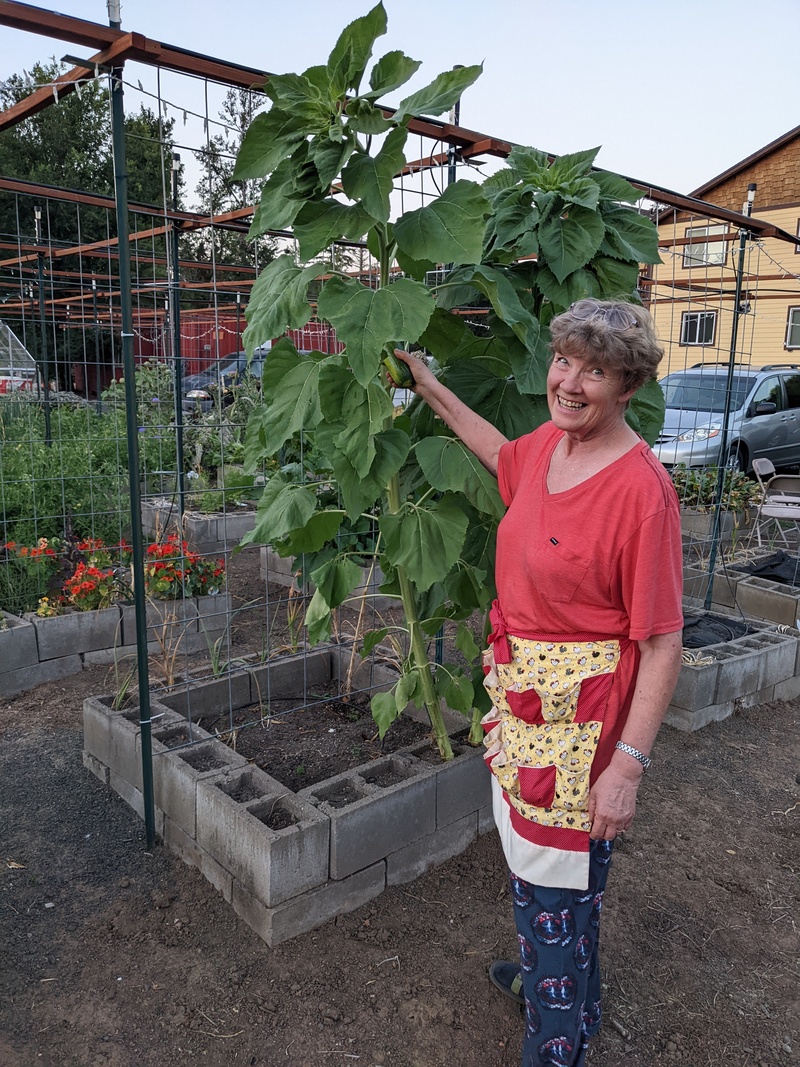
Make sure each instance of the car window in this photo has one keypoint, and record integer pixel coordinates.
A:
(792, 384)
(705, 392)
(770, 391)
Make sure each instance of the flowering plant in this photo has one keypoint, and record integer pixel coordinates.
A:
(26, 572)
(90, 588)
(171, 570)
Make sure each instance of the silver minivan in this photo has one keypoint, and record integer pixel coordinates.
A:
(764, 416)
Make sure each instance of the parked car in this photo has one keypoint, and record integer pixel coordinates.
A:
(764, 416)
(200, 390)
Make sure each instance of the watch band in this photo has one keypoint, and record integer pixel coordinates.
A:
(637, 755)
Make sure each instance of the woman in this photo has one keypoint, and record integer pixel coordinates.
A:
(584, 654)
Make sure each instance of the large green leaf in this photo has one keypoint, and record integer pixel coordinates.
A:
(581, 191)
(294, 407)
(366, 319)
(631, 235)
(568, 243)
(646, 411)
(360, 492)
(515, 216)
(449, 466)
(364, 413)
(330, 156)
(384, 711)
(455, 688)
(336, 580)
(278, 301)
(389, 73)
(278, 208)
(440, 95)
(496, 399)
(295, 95)
(574, 165)
(351, 53)
(318, 619)
(449, 230)
(616, 278)
(281, 509)
(320, 528)
(413, 268)
(613, 187)
(364, 117)
(321, 222)
(270, 137)
(530, 165)
(581, 283)
(370, 179)
(426, 541)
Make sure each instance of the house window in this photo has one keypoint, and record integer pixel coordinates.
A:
(797, 246)
(700, 251)
(698, 327)
(793, 329)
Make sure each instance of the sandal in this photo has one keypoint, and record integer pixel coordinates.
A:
(507, 977)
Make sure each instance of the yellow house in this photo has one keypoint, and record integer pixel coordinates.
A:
(692, 293)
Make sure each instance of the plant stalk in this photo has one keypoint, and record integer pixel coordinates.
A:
(418, 649)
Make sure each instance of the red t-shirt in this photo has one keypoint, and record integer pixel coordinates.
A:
(602, 558)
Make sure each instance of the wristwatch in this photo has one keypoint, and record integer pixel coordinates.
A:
(637, 755)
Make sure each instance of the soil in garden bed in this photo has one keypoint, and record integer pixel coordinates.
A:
(304, 746)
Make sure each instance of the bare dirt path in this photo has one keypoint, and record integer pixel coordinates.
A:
(113, 957)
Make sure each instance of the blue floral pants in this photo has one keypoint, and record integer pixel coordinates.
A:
(558, 931)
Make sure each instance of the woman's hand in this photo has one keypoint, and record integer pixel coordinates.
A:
(612, 802)
(424, 378)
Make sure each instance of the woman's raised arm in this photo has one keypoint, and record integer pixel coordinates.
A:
(480, 437)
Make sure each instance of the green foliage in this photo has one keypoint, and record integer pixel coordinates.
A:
(697, 488)
(328, 153)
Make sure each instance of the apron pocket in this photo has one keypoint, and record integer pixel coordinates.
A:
(537, 785)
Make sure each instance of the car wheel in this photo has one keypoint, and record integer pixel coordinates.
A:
(737, 459)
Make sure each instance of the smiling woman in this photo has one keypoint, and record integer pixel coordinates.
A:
(584, 652)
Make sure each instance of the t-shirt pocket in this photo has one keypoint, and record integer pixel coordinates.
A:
(559, 572)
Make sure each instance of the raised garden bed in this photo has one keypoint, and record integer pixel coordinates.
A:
(35, 650)
(754, 596)
(288, 860)
(211, 533)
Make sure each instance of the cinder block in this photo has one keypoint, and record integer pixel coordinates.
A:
(788, 689)
(312, 909)
(194, 856)
(207, 700)
(415, 859)
(379, 820)
(17, 644)
(486, 821)
(768, 600)
(129, 793)
(463, 785)
(176, 774)
(26, 678)
(691, 720)
(752, 700)
(272, 864)
(697, 684)
(98, 769)
(112, 736)
(740, 670)
(278, 570)
(76, 632)
(290, 676)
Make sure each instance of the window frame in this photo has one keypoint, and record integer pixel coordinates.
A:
(698, 253)
(792, 311)
(697, 317)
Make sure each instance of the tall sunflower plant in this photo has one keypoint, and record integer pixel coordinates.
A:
(523, 245)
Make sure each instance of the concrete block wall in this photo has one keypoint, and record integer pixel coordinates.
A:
(758, 667)
(286, 861)
(35, 650)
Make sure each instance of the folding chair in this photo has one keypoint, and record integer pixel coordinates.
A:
(781, 500)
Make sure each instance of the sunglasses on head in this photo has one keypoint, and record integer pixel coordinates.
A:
(617, 317)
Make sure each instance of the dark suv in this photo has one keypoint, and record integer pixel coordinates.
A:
(764, 416)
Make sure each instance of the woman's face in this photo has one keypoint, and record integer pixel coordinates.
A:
(586, 401)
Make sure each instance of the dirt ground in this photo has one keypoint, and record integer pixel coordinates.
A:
(113, 956)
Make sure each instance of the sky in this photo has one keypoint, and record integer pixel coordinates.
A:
(675, 91)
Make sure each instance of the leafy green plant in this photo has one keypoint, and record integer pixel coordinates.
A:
(697, 488)
(26, 573)
(436, 507)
